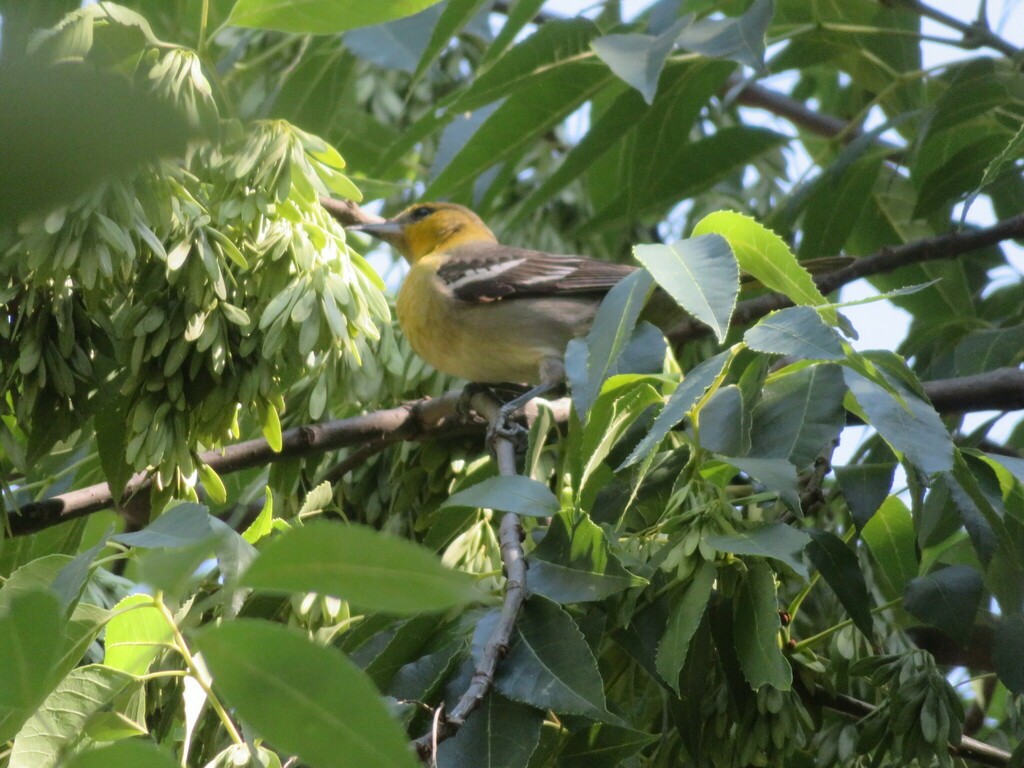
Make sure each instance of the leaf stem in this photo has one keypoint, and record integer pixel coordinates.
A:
(841, 625)
(193, 670)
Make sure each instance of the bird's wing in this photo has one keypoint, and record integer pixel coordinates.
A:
(489, 271)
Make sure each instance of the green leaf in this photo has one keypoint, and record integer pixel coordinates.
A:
(303, 698)
(796, 332)
(865, 487)
(110, 425)
(778, 475)
(554, 44)
(763, 254)
(638, 59)
(912, 427)
(1003, 162)
(836, 205)
(55, 138)
(686, 616)
(518, 15)
(136, 635)
(185, 524)
(739, 39)
(63, 716)
(500, 734)
(594, 356)
(516, 123)
(695, 383)
(31, 638)
(454, 17)
(603, 745)
(800, 413)
(270, 423)
(263, 524)
(517, 493)
(370, 569)
(320, 17)
(986, 350)
(757, 643)
(947, 599)
(130, 753)
(396, 45)
(623, 400)
(839, 566)
(549, 664)
(1009, 640)
(724, 422)
(574, 564)
(890, 537)
(777, 541)
(700, 274)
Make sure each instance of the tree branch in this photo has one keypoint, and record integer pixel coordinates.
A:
(969, 748)
(1001, 389)
(977, 34)
(510, 537)
(945, 246)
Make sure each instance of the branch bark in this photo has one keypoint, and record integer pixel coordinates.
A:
(510, 538)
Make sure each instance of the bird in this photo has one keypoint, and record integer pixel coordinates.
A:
(486, 312)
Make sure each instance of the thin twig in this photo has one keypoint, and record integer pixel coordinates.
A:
(510, 537)
(969, 748)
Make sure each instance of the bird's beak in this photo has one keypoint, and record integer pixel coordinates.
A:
(385, 230)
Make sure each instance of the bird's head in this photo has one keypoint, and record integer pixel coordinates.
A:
(424, 227)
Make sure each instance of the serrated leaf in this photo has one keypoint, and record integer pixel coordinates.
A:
(613, 326)
(695, 383)
(603, 745)
(370, 569)
(686, 616)
(912, 427)
(701, 274)
(947, 599)
(500, 734)
(777, 541)
(303, 698)
(797, 332)
(60, 720)
(763, 254)
(839, 566)
(865, 487)
(515, 493)
(573, 563)
(549, 664)
(800, 413)
(757, 644)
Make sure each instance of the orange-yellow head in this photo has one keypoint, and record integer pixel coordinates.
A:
(426, 227)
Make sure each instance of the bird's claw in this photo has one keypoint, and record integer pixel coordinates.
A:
(502, 427)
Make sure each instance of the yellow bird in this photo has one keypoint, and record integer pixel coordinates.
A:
(487, 312)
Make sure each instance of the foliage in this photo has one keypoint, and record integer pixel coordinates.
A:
(701, 590)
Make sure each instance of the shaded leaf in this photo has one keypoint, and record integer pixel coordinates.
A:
(500, 734)
(355, 563)
(603, 745)
(865, 487)
(777, 541)
(839, 566)
(757, 644)
(130, 753)
(638, 59)
(517, 493)
(947, 599)
(700, 274)
(797, 332)
(549, 664)
(185, 524)
(686, 616)
(1009, 640)
(305, 699)
(890, 537)
(573, 563)
(778, 475)
(739, 39)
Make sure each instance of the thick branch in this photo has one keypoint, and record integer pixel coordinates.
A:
(1001, 390)
(946, 246)
(970, 749)
(510, 537)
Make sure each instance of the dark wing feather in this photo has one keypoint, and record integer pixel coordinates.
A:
(489, 271)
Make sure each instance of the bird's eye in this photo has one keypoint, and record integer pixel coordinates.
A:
(422, 212)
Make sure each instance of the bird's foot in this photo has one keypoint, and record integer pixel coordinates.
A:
(504, 428)
(464, 407)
